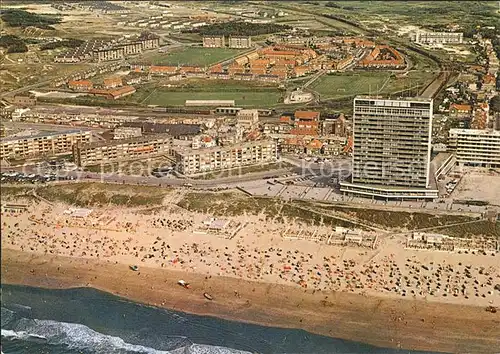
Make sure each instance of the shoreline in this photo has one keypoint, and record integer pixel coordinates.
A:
(400, 323)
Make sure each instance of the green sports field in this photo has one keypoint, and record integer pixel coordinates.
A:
(196, 56)
(358, 83)
(241, 98)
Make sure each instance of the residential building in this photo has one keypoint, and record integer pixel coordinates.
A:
(163, 70)
(476, 147)
(42, 144)
(191, 161)
(113, 94)
(126, 132)
(119, 150)
(112, 82)
(80, 85)
(391, 149)
(108, 53)
(214, 41)
(240, 41)
(248, 118)
(24, 100)
(439, 37)
(460, 110)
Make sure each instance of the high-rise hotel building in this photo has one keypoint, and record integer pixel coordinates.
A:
(392, 148)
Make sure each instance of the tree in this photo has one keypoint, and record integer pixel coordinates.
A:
(495, 103)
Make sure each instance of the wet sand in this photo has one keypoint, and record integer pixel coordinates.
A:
(381, 321)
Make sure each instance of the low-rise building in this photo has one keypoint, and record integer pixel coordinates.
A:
(80, 85)
(120, 150)
(475, 147)
(112, 82)
(42, 144)
(209, 103)
(460, 110)
(113, 94)
(24, 100)
(191, 161)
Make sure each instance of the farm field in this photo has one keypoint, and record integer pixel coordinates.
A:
(196, 56)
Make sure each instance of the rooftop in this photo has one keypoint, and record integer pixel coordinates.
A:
(44, 134)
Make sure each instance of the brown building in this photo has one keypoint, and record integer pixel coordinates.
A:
(80, 85)
(112, 82)
(24, 100)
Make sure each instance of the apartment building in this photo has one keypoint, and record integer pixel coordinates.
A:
(108, 53)
(214, 41)
(126, 132)
(240, 42)
(191, 161)
(117, 150)
(439, 37)
(391, 148)
(42, 144)
(476, 147)
(248, 118)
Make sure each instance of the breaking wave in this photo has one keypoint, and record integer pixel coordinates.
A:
(74, 336)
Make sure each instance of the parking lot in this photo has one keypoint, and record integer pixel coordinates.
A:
(19, 177)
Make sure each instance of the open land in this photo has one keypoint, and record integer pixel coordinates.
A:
(409, 294)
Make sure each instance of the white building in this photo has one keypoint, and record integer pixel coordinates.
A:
(191, 161)
(391, 148)
(439, 37)
(248, 118)
(476, 147)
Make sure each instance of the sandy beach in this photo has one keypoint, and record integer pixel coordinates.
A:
(415, 299)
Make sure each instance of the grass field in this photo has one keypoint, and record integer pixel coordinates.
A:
(246, 99)
(195, 56)
(341, 85)
(244, 94)
(350, 84)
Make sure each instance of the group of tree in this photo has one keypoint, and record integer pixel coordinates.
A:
(13, 44)
(239, 28)
(21, 18)
(67, 43)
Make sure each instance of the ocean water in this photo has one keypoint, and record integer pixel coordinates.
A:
(88, 321)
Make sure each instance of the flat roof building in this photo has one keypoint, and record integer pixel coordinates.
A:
(121, 150)
(439, 37)
(191, 161)
(214, 41)
(209, 103)
(240, 41)
(42, 144)
(476, 147)
(391, 148)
